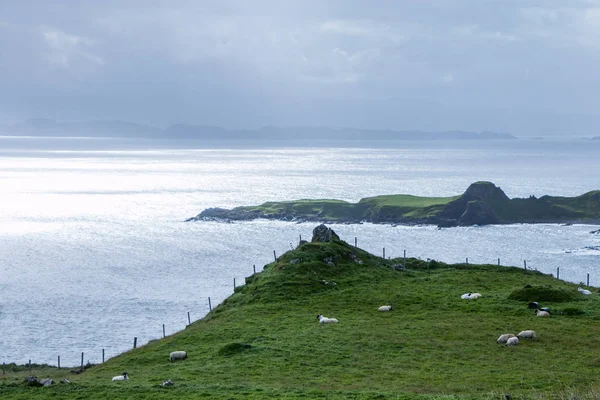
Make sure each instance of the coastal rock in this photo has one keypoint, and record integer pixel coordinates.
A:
(478, 213)
(324, 234)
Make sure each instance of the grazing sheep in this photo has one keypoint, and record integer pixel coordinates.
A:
(504, 338)
(385, 308)
(122, 377)
(540, 313)
(526, 335)
(325, 320)
(475, 295)
(470, 296)
(583, 291)
(177, 355)
(545, 309)
(513, 341)
(534, 305)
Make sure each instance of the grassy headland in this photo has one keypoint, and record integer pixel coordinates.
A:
(264, 341)
(482, 203)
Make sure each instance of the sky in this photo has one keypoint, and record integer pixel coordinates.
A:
(527, 67)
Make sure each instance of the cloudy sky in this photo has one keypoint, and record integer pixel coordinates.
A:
(528, 67)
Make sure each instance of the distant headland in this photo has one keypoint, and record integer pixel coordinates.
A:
(122, 129)
(483, 203)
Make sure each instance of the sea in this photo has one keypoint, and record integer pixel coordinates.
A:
(95, 250)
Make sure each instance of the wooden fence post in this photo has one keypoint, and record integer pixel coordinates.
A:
(164, 335)
(557, 272)
(274, 255)
(102, 356)
(82, 360)
(355, 242)
(209, 305)
(524, 264)
(189, 320)
(58, 362)
(135, 342)
(498, 261)
(384, 253)
(588, 279)
(254, 267)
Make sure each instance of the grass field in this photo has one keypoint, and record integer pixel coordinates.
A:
(265, 341)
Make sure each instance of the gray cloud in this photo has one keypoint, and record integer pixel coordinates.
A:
(520, 66)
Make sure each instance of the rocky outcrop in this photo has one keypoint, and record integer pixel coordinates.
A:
(477, 213)
(474, 207)
(324, 234)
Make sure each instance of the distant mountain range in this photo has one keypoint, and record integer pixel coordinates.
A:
(122, 129)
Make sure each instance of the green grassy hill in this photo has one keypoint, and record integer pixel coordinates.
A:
(265, 341)
(482, 203)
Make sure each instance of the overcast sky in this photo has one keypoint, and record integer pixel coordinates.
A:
(528, 67)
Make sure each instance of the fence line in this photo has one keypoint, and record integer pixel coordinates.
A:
(189, 320)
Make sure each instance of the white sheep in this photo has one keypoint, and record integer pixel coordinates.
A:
(583, 291)
(526, 335)
(513, 341)
(540, 313)
(385, 308)
(470, 296)
(475, 295)
(325, 320)
(177, 355)
(504, 338)
(122, 377)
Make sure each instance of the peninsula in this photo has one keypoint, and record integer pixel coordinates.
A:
(483, 203)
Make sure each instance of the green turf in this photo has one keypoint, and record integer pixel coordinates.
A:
(265, 341)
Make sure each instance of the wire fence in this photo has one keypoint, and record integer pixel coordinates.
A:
(210, 304)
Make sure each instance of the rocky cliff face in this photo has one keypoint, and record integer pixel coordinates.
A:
(475, 206)
(478, 213)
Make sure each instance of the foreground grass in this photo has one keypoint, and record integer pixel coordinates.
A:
(265, 342)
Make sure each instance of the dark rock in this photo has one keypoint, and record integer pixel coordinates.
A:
(478, 212)
(596, 232)
(486, 191)
(329, 261)
(447, 223)
(324, 234)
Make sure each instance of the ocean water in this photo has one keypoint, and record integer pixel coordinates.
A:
(94, 250)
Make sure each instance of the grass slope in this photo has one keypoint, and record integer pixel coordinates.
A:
(264, 341)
